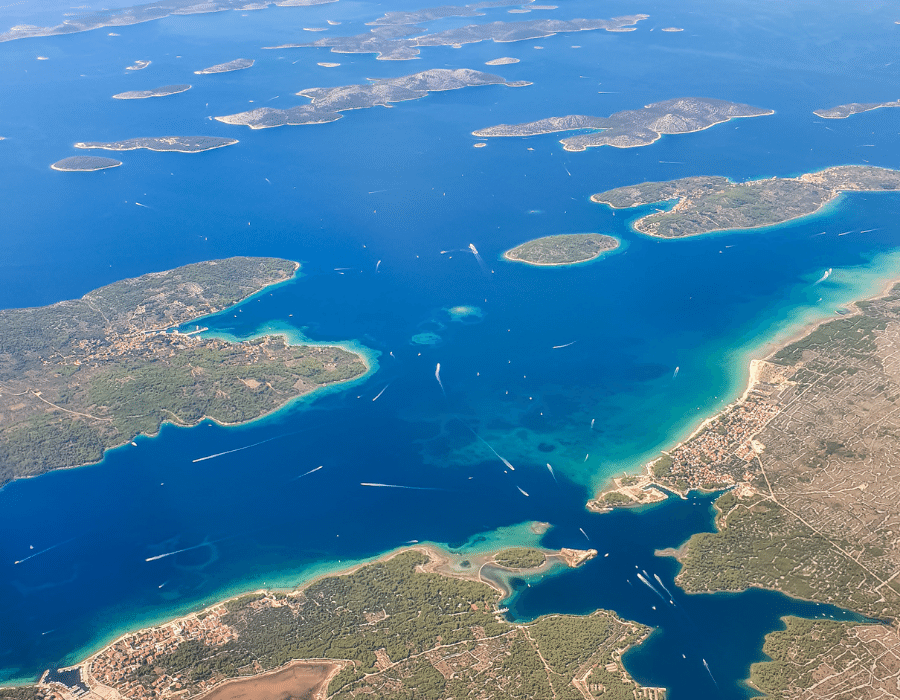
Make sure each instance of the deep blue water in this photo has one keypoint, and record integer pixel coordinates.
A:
(399, 186)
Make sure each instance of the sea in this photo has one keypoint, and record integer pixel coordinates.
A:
(380, 208)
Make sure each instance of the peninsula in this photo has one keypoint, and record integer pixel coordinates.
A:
(844, 111)
(634, 127)
(562, 249)
(813, 505)
(236, 64)
(85, 164)
(392, 40)
(79, 377)
(163, 91)
(708, 204)
(406, 626)
(182, 144)
(327, 103)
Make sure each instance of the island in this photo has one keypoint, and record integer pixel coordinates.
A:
(520, 558)
(672, 29)
(79, 377)
(811, 506)
(85, 164)
(634, 127)
(163, 91)
(146, 12)
(505, 61)
(406, 626)
(236, 64)
(138, 65)
(182, 144)
(562, 249)
(327, 103)
(709, 204)
(390, 40)
(844, 111)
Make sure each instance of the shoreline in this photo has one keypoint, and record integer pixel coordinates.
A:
(441, 562)
(82, 145)
(645, 473)
(368, 360)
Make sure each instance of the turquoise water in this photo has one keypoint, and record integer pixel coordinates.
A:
(399, 186)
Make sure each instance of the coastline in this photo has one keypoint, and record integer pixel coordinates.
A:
(82, 145)
(365, 355)
(643, 471)
(442, 562)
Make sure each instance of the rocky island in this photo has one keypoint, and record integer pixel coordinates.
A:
(138, 65)
(146, 12)
(181, 144)
(392, 39)
(236, 64)
(844, 111)
(327, 103)
(505, 61)
(634, 127)
(562, 249)
(812, 507)
(708, 204)
(79, 377)
(163, 91)
(405, 626)
(85, 164)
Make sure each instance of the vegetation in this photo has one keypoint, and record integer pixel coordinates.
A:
(410, 635)
(565, 249)
(709, 204)
(760, 544)
(520, 558)
(614, 498)
(82, 376)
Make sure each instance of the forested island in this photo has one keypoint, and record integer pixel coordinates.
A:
(708, 204)
(163, 91)
(562, 249)
(634, 127)
(812, 507)
(78, 377)
(182, 144)
(85, 164)
(236, 64)
(520, 558)
(391, 629)
(327, 103)
(844, 111)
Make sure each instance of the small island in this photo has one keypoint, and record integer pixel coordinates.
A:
(79, 377)
(181, 144)
(236, 64)
(635, 127)
(844, 111)
(407, 625)
(505, 61)
(708, 204)
(85, 164)
(672, 29)
(562, 249)
(163, 91)
(138, 65)
(327, 103)
(520, 558)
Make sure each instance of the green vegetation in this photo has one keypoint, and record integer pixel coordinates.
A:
(520, 558)
(760, 544)
(708, 204)
(796, 652)
(79, 377)
(662, 467)
(411, 636)
(856, 333)
(614, 498)
(564, 249)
